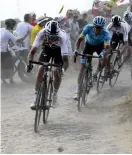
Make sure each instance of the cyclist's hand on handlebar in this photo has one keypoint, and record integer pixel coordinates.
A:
(101, 56)
(29, 67)
(75, 55)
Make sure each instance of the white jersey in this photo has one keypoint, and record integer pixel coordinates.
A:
(124, 29)
(5, 37)
(61, 43)
(21, 30)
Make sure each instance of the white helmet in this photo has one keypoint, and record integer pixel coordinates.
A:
(116, 19)
(52, 28)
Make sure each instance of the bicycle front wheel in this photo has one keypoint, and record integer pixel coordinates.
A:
(48, 95)
(114, 72)
(131, 65)
(39, 104)
(101, 80)
(84, 89)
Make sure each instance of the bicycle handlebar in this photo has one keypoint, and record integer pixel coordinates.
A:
(44, 64)
(87, 55)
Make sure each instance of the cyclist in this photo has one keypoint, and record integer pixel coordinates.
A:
(119, 30)
(6, 57)
(54, 44)
(128, 19)
(97, 38)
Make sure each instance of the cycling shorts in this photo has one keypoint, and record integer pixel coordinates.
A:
(90, 49)
(48, 53)
(116, 39)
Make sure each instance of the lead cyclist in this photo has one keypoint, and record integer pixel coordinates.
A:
(54, 44)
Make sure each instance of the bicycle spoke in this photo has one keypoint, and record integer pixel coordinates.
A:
(101, 80)
(84, 90)
(114, 73)
(38, 110)
(48, 102)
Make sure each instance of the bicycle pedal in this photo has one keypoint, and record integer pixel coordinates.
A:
(46, 107)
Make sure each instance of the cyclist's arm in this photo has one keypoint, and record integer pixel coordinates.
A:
(109, 27)
(107, 39)
(36, 44)
(126, 29)
(63, 43)
(82, 36)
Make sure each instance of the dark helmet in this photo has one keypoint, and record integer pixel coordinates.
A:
(10, 23)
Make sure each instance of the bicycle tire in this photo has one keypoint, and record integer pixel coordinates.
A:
(98, 80)
(131, 65)
(39, 103)
(48, 102)
(84, 90)
(114, 72)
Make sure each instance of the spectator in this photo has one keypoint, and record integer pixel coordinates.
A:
(74, 30)
(6, 58)
(69, 16)
(33, 19)
(21, 29)
(40, 25)
(64, 24)
(82, 21)
(129, 8)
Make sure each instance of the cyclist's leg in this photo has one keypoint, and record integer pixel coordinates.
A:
(65, 62)
(57, 76)
(89, 49)
(44, 57)
(99, 48)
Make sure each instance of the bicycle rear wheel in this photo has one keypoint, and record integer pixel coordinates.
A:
(101, 80)
(39, 105)
(84, 89)
(114, 72)
(48, 102)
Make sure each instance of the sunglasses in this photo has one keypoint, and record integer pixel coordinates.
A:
(52, 37)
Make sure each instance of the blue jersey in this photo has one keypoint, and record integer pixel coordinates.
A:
(92, 38)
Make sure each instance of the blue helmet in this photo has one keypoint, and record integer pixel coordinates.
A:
(99, 21)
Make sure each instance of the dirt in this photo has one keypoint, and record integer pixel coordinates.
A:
(103, 126)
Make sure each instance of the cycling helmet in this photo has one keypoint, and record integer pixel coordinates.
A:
(52, 28)
(43, 19)
(10, 23)
(127, 16)
(116, 19)
(99, 21)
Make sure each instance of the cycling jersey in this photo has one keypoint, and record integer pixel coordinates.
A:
(34, 32)
(62, 41)
(124, 28)
(92, 38)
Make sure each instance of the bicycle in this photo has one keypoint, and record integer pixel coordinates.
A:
(45, 92)
(112, 70)
(86, 81)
